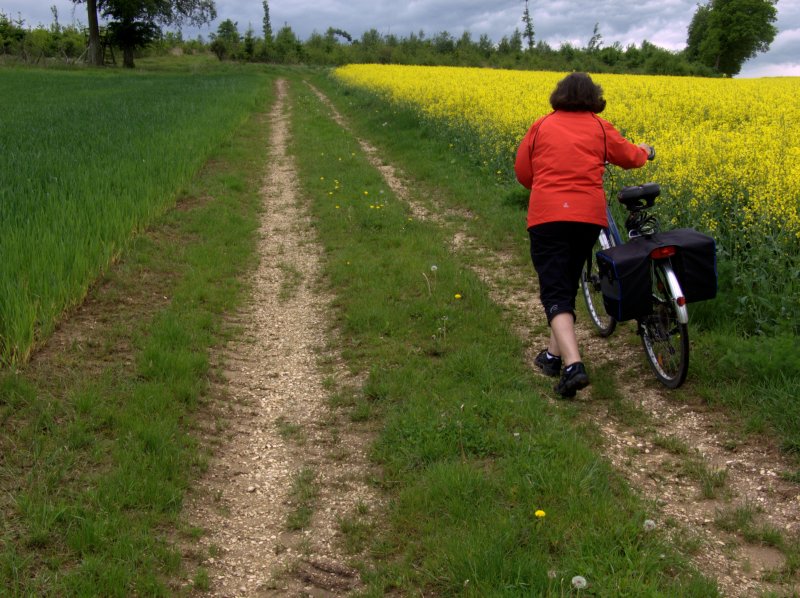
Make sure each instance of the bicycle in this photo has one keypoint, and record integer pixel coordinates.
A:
(661, 314)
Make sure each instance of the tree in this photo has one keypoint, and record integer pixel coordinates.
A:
(596, 41)
(288, 48)
(134, 23)
(723, 34)
(510, 45)
(11, 35)
(267, 26)
(528, 32)
(94, 54)
(341, 33)
(249, 43)
(225, 43)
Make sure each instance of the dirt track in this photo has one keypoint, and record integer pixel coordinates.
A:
(282, 432)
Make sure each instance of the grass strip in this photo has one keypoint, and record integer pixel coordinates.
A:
(470, 451)
(96, 449)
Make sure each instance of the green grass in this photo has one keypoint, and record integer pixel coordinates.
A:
(469, 448)
(303, 496)
(91, 158)
(96, 445)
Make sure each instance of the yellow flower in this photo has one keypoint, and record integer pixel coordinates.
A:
(458, 295)
(539, 513)
(706, 130)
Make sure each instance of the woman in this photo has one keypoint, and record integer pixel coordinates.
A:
(561, 160)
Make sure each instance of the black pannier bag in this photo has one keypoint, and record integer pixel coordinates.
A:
(625, 279)
(625, 271)
(695, 263)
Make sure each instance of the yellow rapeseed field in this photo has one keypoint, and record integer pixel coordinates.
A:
(728, 149)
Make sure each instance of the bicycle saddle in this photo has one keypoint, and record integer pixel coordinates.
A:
(639, 197)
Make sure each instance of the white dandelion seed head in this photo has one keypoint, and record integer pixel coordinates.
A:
(579, 582)
(434, 268)
(649, 525)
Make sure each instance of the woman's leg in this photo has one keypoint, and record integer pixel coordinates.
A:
(562, 338)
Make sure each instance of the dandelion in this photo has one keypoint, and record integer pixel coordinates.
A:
(434, 267)
(649, 525)
(366, 192)
(458, 295)
(539, 513)
(579, 582)
(337, 206)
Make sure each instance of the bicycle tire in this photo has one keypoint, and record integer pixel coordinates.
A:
(664, 338)
(604, 324)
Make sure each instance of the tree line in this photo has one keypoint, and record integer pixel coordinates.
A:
(722, 35)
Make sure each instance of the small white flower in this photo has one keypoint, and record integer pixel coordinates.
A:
(649, 525)
(434, 268)
(579, 582)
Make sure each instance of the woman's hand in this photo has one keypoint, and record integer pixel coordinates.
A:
(651, 151)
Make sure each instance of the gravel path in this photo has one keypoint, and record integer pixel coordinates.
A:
(284, 448)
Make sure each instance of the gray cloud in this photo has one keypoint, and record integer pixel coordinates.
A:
(662, 22)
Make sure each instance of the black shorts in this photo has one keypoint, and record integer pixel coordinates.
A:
(559, 250)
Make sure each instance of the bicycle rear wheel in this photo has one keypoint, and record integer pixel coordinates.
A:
(664, 337)
(590, 284)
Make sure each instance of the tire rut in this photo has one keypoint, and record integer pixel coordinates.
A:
(274, 426)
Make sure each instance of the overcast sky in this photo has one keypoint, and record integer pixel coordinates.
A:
(662, 22)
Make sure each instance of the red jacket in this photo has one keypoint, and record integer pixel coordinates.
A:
(561, 160)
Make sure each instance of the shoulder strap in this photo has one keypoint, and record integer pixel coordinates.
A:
(605, 141)
(536, 134)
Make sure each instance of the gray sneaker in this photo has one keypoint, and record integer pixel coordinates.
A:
(572, 380)
(551, 366)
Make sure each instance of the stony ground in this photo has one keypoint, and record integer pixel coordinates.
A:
(284, 454)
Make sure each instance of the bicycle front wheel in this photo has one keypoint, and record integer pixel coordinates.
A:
(664, 337)
(590, 284)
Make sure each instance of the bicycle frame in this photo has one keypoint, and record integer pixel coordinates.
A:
(675, 291)
(611, 231)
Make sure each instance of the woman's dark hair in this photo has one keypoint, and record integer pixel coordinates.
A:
(576, 93)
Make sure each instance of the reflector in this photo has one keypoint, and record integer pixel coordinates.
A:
(662, 252)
